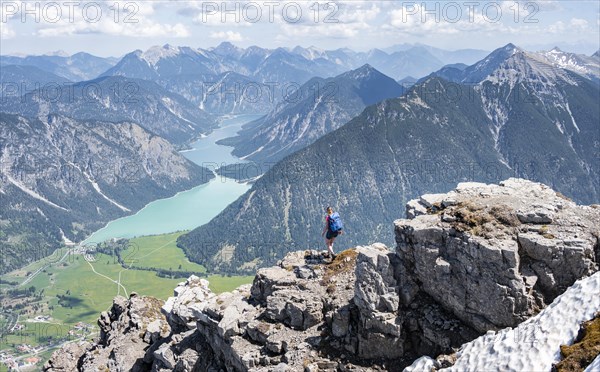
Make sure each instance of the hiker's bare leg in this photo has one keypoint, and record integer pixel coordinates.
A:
(330, 246)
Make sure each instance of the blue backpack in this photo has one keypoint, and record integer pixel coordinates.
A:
(335, 222)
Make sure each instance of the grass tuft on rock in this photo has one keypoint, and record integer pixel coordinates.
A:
(343, 263)
(483, 221)
(586, 348)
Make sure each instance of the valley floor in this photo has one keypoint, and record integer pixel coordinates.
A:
(58, 299)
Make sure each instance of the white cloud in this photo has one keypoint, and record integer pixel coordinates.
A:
(227, 36)
(6, 32)
(543, 5)
(425, 20)
(348, 20)
(574, 25)
(147, 28)
(116, 18)
(578, 23)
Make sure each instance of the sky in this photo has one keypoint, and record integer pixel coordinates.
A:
(116, 27)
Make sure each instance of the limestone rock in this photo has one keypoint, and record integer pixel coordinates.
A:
(178, 308)
(67, 358)
(492, 265)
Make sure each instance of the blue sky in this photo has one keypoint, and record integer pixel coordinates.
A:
(116, 27)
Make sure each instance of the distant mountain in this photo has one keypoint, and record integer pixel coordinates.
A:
(398, 61)
(78, 67)
(324, 105)
(468, 56)
(236, 74)
(541, 63)
(187, 71)
(597, 54)
(16, 80)
(226, 93)
(522, 119)
(118, 99)
(65, 176)
(408, 81)
(167, 61)
(579, 63)
(262, 65)
(282, 67)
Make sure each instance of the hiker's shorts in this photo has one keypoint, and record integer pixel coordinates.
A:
(331, 234)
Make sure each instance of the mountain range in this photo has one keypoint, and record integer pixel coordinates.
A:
(66, 178)
(525, 117)
(368, 151)
(117, 99)
(281, 64)
(16, 80)
(553, 61)
(322, 106)
(78, 67)
(221, 79)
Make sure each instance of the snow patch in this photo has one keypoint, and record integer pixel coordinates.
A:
(33, 193)
(534, 345)
(156, 53)
(99, 191)
(572, 118)
(595, 366)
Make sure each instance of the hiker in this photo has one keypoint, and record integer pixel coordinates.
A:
(333, 228)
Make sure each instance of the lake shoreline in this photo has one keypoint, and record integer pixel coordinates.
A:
(194, 205)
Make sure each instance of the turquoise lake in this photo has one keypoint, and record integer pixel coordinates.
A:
(192, 208)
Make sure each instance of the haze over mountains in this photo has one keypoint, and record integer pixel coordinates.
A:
(79, 66)
(525, 118)
(16, 80)
(218, 78)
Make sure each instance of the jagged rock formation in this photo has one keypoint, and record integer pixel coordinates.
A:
(495, 255)
(480, 258)
(127, 330)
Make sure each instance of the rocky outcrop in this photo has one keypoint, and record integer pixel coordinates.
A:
(494, 255)
(478, 259)
(128, 332)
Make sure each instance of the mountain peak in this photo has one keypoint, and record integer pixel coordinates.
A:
(363, 72)
(154, 54)
(510, 47)
(597, 54)
(366, 67)
(58, 53)
(225, 45)
(227, 49)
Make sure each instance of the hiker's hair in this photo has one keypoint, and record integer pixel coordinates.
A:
(329, 209)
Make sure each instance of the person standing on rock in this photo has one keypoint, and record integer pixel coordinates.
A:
(333, 228)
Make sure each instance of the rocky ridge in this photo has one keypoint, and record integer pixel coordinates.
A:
(480, 258)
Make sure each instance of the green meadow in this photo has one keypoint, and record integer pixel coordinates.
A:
(76, 290)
